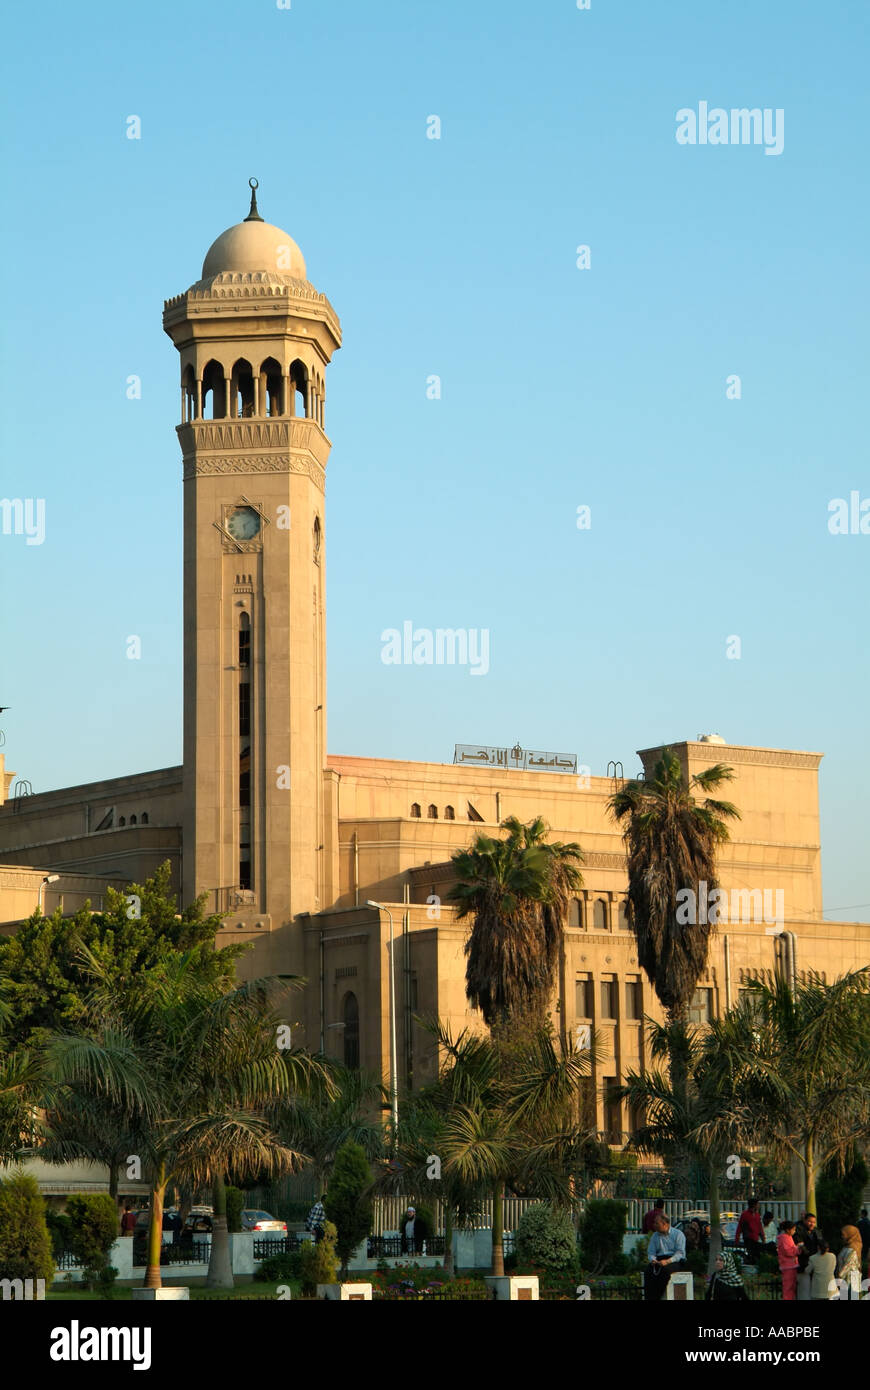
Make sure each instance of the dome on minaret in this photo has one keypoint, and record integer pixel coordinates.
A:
(254, 245)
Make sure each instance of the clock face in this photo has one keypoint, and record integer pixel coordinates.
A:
(243, 524)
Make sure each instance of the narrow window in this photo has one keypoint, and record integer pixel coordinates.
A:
(415, 810)
(449, 813)
(612, 1111)
(583, 998)
(599, 919)
(351, 1032)
(122, 820)
(432, 813)
(144, 818)
(608, 997)
(132, 820)
(245, 641)
(633, 999)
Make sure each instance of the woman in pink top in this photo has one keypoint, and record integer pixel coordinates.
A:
(787, 1254)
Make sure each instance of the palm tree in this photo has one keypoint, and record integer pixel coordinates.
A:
(340, 1105)
(801, 1061)
(699, 1119)
(515, 890)
(671, 838)
(190, 1064)
(513, 1119)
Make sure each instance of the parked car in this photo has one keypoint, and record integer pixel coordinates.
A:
(253, 1220)
(198, 1223)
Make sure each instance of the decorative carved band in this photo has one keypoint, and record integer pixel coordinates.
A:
(197, 466)
(209, 436)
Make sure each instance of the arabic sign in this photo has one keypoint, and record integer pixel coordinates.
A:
(521, 759)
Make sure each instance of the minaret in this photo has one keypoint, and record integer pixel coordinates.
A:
(254, 339)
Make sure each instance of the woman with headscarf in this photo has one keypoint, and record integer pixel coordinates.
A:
(849, 1261)
(726, 1282)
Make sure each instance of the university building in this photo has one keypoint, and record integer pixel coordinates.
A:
(295, 845)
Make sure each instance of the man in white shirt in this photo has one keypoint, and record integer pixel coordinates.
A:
(667, 1253)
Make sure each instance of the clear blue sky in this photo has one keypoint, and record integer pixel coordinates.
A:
(561, 387)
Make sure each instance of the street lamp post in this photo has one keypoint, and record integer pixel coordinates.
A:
(394, 1092)
(49, 878)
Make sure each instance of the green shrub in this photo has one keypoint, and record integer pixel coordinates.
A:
(235, 1206)
(93, 1227)
(348, 1203)
(318, 1262)
(101, 1278)
(545, 1238)
(601, 1230)
(639, 1257)
(25, 1245)
(59, 1229)
(279, 1269)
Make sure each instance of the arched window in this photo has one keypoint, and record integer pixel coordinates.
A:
(214, 392)
(622, 915)
(599, 915)
(143, 819)
(299, 389)
(132, 820)
(242, 390)
(271, 388)
(188, 385)
(415, 810)
(351, 1032)
(574, 918)
(122, 820)
(432, 812)
(318, 538)
(449, 813)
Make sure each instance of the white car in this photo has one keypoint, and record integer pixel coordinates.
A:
(253, 1220)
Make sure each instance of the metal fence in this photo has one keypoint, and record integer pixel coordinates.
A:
(194, 1252)
(390, 1247)
(268, 1246)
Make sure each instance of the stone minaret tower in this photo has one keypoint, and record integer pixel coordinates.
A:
(254, 339)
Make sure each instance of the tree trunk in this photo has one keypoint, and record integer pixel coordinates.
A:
(498, 1229)
(810, 1166)
(152, 1278)
(113, 1182)
(220, 1265)
(448, 1238)
(715, 1220)
(682, 1166)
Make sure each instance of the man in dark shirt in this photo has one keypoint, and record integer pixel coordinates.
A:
(807, 1237)
(751, 1229)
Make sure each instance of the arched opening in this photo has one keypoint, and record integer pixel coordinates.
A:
(132, 820)
(143, 819)
(449, 813)
(432, 812)
(214, 392)
(622, 915)
(599, 915)
(299, 389)
(271, 388)
(574, 914)
(242, 390)
(351, 1032)
(318, 538)
(122, 820)
(188, 386)
(415, 810)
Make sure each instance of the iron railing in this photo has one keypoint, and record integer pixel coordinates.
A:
(386, 1247)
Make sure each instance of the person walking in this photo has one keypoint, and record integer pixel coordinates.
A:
(648, 1224)
(787, 1254)
(807, 1237)
(316, 1220)
(667, 1254)
(726, 1282)
(849, 1261)
(750, 1228)
(821, 1268)
(128, 1220)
